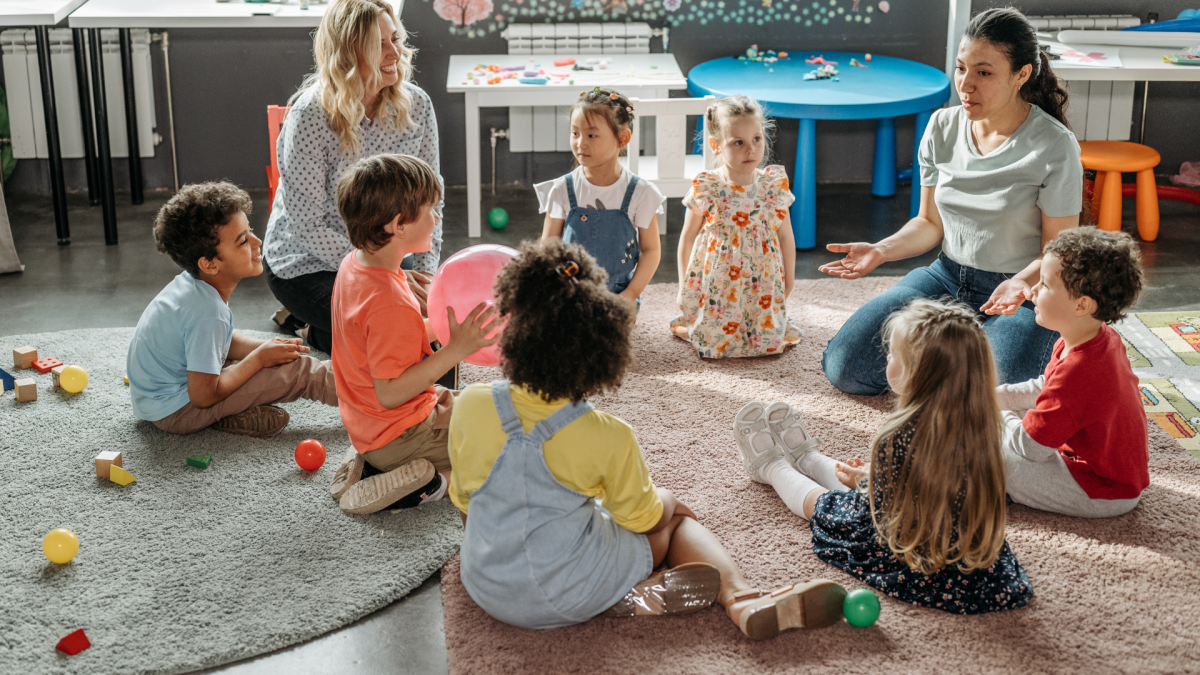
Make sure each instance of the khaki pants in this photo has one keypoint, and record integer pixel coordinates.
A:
(305, 377)
(428, 439)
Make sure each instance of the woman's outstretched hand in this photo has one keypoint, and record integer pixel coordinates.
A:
(1007, 297)
(860, 259)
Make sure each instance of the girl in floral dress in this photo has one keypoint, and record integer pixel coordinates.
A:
(737, 257)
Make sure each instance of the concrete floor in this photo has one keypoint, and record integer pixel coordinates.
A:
(90, 285)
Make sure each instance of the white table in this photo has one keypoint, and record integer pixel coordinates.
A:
(1140, 64)
(634, 75)
(200, 14)
(42, 14)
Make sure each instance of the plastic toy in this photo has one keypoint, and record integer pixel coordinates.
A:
(497, 218)
(73, 643)
(200, 461)
(7, 381)
(462, 282)
(127, 380)
(26, 389)
(105, 461)
(868, 58)
(310, 454)
(23, 357)
(565, 62)
(60, 545)
(46, 364)
(861, 607)
(119, 475)
(533, 80)
(73, 379)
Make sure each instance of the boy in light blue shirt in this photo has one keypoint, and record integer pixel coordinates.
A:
(188, 369)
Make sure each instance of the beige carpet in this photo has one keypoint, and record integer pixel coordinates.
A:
(1120, 595)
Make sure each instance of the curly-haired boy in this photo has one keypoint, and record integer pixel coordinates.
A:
(1082, 448)
(188, 369)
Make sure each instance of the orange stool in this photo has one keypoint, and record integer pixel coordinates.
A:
(1108, 159)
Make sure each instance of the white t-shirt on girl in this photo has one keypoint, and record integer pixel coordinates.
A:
(647, 200)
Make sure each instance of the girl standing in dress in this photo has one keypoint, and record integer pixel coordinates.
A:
(737, 255)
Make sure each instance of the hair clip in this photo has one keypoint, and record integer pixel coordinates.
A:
(629, 109)
(613, 96)
(567, 271)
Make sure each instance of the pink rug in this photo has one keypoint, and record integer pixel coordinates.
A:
(1120, 595)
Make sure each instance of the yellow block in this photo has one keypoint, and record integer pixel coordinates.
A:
(120, 476)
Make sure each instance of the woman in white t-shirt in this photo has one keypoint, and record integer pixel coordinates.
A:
(600, 204)
(1000, 177)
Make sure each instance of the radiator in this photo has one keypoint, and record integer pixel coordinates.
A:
(548, 128)
(24, 87)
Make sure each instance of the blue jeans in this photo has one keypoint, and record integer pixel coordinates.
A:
(855, 360)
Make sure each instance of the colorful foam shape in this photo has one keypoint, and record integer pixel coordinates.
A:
(73, 643)
(7, 381)
(46, 364)
(200, 461)
(119, 475)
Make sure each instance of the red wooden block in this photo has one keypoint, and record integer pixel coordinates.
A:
(47, 364)
(73, 643)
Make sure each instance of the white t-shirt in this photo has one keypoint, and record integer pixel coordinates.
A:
(647, 200)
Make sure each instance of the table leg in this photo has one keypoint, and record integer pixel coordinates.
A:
(79, 39)
(883, 178)
(474, 187)
(131, 125)
(804, 210)
(58, 188)
(918, 134)
(103, 152)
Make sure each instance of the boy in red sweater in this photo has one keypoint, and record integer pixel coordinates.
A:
(1082, 447)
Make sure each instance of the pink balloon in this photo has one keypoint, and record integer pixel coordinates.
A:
(462, 282)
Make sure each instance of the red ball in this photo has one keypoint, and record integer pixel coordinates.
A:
(310, 454)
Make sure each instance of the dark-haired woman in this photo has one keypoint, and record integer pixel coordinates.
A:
(562, 520)
(1000, 177)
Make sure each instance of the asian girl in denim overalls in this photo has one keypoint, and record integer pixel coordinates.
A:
(609, 235)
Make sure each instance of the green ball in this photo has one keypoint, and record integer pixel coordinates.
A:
(497, 218)
(861, 607)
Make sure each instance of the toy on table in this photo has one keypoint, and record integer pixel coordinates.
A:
(825, 72)
(769, 56)
(46, 364)
(861, 607)
(533, 80)
(855, 62)
(105, 461)
(199, 461)
(821, 60)
(497, 218)
(565, 62)
(73, 643)
(462, 282)
(868, 57)
(72, 379)
(7, 381)
(23, 357)
(26, 389)
(120, 476)
(310, 454)
(60, 545)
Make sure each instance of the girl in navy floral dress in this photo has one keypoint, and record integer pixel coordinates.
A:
(924, 520)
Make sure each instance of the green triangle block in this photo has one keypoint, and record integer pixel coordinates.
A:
(201, 461)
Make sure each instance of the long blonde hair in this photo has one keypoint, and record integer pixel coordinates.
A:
(348, 30)
(943, 501)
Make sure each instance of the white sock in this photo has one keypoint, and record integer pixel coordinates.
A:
(822, 469)
(791, 485)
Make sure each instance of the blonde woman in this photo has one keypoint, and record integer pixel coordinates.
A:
(360, 102)
(926, 524)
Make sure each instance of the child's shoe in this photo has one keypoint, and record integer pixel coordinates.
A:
(755, 440)
(789, 430)
(687, 588)
(380, 491)
(262, 421)
(431, 492)
(348, 473)
(816, 604)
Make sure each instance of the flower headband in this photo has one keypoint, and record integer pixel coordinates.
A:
(612, 96)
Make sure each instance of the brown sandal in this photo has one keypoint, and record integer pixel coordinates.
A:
(816, 604)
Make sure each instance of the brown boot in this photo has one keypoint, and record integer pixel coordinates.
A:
(262, 421)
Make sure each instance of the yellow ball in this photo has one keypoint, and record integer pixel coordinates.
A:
(73, 379)
(60, 546)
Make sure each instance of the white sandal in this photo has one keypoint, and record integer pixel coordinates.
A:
(749, 426)
(790, 433)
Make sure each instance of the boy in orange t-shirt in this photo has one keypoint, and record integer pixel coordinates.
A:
(397, 418)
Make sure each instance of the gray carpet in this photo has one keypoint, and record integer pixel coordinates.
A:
(185, 568)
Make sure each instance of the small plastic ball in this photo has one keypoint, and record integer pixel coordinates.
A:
(497, 218)
(861, 607)
(310, 454)
(73, 379)
(60, 545)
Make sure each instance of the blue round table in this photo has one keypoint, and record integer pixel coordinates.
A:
(887, 88)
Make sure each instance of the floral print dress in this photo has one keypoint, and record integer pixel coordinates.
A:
(732, 300)
(844, 536)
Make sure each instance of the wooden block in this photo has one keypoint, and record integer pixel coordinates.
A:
(200, 461)
(73, 643)
(105, 461)
(119, 476)
(45, 365)
(54, 373)
(23, 357)
(26, 389)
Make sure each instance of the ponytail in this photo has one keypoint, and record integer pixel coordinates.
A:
(1012, 33)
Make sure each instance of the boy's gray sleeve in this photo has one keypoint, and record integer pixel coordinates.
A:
(1021, 395)
(1014, 437)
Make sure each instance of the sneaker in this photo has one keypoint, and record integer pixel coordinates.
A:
(789, 430)
(685, 589)
(349, 472)
(263, 421)
(755, 440)
(378, 492)
(433, 491)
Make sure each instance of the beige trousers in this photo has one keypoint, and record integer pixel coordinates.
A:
(429, 439)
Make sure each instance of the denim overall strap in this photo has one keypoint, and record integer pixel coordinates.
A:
(571, 190)
(628, 196)
(543, 430)
(504, 407)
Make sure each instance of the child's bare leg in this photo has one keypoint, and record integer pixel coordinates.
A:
(684, 540)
